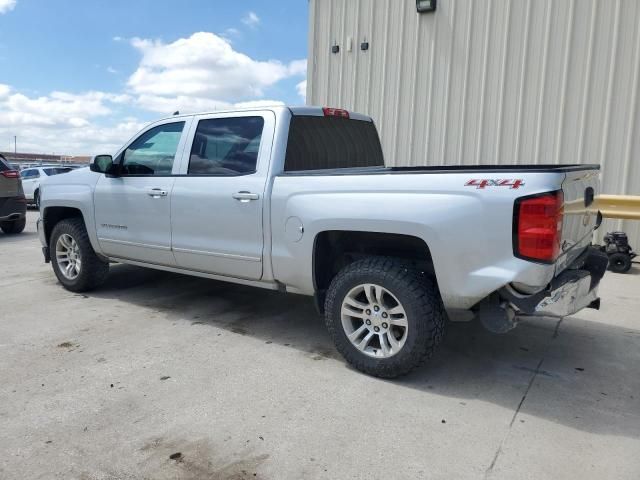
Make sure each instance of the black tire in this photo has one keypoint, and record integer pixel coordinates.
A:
(14, 226)
(619, 262)
(416, 292)
(93, 270)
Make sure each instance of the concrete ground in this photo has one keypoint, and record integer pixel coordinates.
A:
(164, 376)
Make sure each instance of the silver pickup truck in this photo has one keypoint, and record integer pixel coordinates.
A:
(299, 200)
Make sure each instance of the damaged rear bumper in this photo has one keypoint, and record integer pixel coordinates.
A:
(571, 291)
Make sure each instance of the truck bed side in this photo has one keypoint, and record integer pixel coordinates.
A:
(468, 230)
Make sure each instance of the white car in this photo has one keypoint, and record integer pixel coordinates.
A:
(33, 177)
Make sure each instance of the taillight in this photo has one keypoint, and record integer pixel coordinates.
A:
(538, 227)
(11, 174)
(335, 112)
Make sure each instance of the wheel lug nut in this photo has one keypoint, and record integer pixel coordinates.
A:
(384, 325)
(377, 329)
(376, 308)
(368, 322)
(384, 315)
(368, 312)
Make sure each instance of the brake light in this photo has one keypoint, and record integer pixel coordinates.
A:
(538, 227)
(11, 174)
(335, 112)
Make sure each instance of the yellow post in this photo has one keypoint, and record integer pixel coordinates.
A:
(624, 207)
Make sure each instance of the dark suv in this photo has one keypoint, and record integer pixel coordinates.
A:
(13, 206)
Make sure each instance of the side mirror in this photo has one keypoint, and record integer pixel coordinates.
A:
(102, 164)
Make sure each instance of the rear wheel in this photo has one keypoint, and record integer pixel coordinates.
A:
(74, 261)
(385, 317)
(619, 263)
(14, 226)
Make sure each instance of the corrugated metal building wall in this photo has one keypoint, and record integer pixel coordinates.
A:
(489, 82)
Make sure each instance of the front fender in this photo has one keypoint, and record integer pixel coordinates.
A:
(79, 197)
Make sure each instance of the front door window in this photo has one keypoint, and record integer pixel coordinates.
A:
(153, 152)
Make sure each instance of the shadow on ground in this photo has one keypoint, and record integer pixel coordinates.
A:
(579, 373)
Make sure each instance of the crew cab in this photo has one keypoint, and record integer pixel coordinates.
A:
(299, 200)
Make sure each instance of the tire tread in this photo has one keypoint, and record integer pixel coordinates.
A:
(422, 289)
(94, 270)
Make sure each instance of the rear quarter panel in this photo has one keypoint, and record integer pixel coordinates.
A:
(467, 229)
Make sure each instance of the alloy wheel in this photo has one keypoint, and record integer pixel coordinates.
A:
(68, 256)
(374, 320)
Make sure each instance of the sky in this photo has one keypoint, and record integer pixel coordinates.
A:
(81, 77)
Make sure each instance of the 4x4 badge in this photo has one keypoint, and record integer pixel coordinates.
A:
(491, 182)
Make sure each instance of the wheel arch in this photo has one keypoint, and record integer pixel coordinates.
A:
(51, 216)
(335, 249)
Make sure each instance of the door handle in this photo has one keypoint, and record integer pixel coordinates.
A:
(245, 197)
(156, 192)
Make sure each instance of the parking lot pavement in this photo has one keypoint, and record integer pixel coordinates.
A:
(159, 375)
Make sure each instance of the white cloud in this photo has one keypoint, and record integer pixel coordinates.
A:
(110, 69)
(231, 33)
(302, 89)
(298, 67)
(201, 72)
(7, 6)
(117, 38)
(63, 122)
(186, 104)
(251, 20)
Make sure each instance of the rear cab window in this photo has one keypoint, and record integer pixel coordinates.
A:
(329, 142)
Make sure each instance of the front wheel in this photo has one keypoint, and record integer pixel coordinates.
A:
(385, 317)
(74, 261)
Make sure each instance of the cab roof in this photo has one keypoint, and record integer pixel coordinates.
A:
(313, 111)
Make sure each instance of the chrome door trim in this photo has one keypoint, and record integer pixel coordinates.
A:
(134, 244)
(217, 254)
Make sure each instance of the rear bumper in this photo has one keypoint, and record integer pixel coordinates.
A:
(571, 291)
(12, 208)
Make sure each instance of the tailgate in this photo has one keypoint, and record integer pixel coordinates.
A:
(579, 188)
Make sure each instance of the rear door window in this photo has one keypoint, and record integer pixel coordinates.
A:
(317, 143)
(226, 146)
